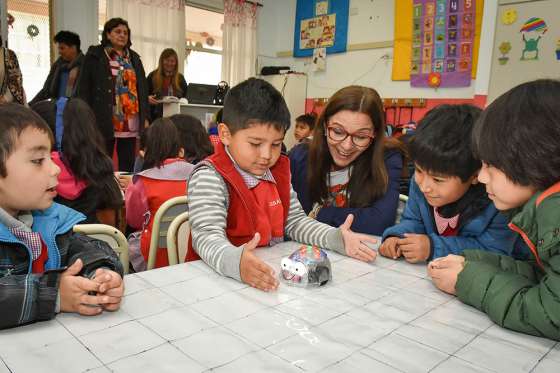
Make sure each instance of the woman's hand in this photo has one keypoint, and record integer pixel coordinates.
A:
(354, 243)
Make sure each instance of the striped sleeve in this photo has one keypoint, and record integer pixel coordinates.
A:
(208, 205)
(304, 229)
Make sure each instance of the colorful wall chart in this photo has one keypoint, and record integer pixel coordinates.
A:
(320, 24)
(442, 43)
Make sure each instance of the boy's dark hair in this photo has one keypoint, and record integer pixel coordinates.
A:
(109, 26)
(255, 101)
(308, 119)
(519, 134)
(162, 142)
(193, 138)
(69, 38)
(14, 119)
(442, 141)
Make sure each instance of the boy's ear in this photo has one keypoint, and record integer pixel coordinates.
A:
(224, 133)
(181, 153)
(474, 178)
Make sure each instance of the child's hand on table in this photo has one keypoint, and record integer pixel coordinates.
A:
(354, 243)
(110, 284)
(254, 271)
(414, 247)
(390, 248)
(444, 272)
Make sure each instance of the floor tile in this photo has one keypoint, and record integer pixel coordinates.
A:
(227, 307)
(121, 341)
(456, 365)
(389, 278)
(485, 349)
(440, 336)
(547, 365)
(161, 359)
(360, 363)
(177, 323)
(80, 325)
(269, 299)
(365, 287)
(268, 327)
(148, 302)
(415, 269)
(257, 362)
(411, 303)
(200, 288)
(311, 351)
(308, 310)
(29, 337)
(426, 288)
(214, 347)
(355, 267)
(64, 356)
(461, 316)
(404, 354)
(134, 283)
(170, 275)
(351, 332)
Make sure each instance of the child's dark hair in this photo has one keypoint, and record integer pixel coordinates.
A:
(47, 111)
(255, 101)
(162, 142)
(14, 119)
(442, 141)
(83, 152)
(309, 119)
(519, 134)
(69, 38)
(193, 138)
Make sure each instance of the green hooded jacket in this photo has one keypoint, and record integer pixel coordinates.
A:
(521, 295)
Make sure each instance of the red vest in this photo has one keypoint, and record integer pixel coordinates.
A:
(244, 217)
(158, 191)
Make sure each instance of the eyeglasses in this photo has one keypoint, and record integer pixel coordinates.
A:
(339, 134)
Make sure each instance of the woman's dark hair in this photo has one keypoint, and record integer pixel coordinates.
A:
(83, 152)
(46, 110)
(519, 134)
(158, 76)
(109, 26)
(369, 178)
(441, 143)
(193, 137)
(162, 142)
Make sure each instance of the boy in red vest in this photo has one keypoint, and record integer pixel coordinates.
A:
(241, 196)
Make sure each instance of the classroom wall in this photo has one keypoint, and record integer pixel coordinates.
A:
(79, 16)
(365, 67)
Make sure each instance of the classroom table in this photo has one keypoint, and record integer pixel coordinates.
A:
(380, 317)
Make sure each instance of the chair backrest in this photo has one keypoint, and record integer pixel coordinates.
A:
(403, 199)
(173, 237)
(109, 234)
(163, 217)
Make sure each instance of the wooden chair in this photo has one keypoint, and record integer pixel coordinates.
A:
(173, 237)
(162, 219)
(109, 234)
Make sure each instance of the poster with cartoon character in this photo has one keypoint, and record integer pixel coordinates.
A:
(321, 24)
(442, 42)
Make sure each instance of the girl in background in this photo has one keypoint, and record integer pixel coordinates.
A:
(164, 176)
(193, 137)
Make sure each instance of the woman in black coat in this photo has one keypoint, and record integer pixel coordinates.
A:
(113, 83)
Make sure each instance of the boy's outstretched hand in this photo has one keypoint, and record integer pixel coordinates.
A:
(74, 291)
(354, 242)
(110, 284)
(444, 272)
(254, 271)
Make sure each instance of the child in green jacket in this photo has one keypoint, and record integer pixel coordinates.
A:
(517, 139)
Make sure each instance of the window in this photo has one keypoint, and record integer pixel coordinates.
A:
(203, 62)
(29, 38)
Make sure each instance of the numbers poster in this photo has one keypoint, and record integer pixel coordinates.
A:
(442, 43)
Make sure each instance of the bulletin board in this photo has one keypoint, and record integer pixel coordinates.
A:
(320, 24)
(526, 44)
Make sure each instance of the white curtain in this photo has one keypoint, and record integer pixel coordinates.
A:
(239, 51)
(154, 26)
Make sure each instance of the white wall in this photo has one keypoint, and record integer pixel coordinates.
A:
(365, 67)
(79, 16)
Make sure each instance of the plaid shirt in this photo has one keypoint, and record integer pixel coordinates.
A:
(31, 239)
(251, 180)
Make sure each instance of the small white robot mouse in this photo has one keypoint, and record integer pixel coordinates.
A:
(308, 266)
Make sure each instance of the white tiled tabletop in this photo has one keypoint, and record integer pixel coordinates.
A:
(380, 317)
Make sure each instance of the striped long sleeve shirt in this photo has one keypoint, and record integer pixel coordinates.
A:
(208, 207)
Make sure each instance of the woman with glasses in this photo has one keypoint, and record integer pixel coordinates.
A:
(350, 167)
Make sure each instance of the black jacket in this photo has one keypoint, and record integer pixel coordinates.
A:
(156, 111)
(96, 87)
(50, 88)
